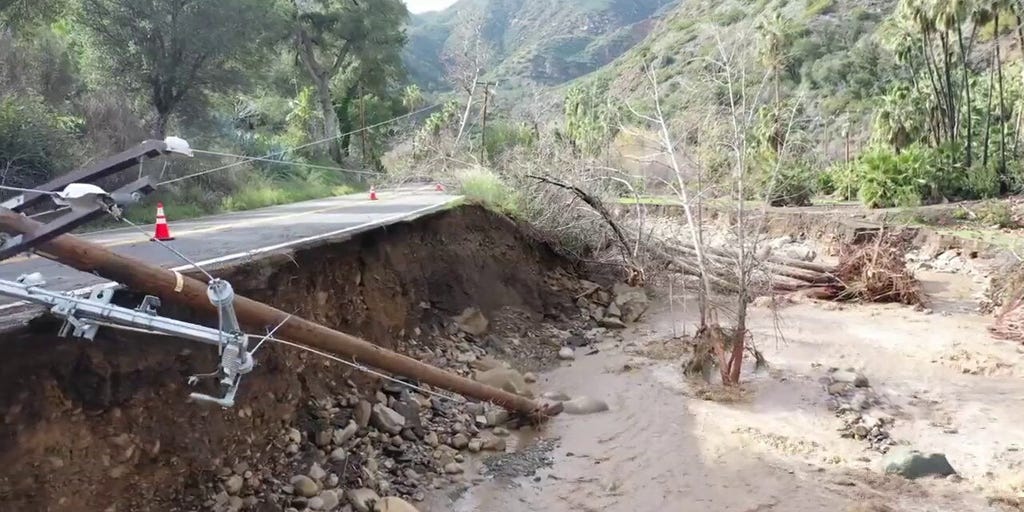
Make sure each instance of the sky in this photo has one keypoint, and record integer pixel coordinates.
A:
(418, 6)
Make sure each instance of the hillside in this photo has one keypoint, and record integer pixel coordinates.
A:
(833, 55)
(546, 42)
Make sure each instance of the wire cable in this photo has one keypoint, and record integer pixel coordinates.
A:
(296, 148)
(168, 247)
(27, 190)
(282, 162)
(364, 369)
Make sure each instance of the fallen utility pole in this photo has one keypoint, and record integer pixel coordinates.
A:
(174, 287)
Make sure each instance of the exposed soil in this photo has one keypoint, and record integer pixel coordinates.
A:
(106, 425)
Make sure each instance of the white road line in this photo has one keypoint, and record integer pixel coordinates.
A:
(270, 248)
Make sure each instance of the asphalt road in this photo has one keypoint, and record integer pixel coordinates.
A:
(231, 238)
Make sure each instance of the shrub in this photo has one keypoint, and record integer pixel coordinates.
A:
(483, 186)
(887, 179)
(34, 147)
(794, 185)
(996, 213)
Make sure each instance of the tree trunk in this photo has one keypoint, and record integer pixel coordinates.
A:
(334, 146)
(969, 139)
(988, 117)
(1003, 179)
(159, 129)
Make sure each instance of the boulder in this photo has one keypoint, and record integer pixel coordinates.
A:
(342, 435)
(850, 377)
(304, 486)
(363, 500)
(912, 464)
(632, 302)
(362, 413)
(566, 354)
(472, 321)
(393, 504)
(386, 419)
(506, 379)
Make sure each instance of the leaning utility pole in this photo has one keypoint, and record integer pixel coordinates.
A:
(172, 286)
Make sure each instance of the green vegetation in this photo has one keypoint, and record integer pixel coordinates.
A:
(83, 79)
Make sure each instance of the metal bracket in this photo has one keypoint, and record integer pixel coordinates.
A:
(84, 316)
(73, 219)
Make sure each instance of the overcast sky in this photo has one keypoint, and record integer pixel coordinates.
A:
(428, 5)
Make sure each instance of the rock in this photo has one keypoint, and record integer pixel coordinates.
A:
(633, 302)
(472, 321)
(460, 441)
(566, 354)
(611, 322)
(234, 485)
(386, 419)
(506, 379)
(494, 444)
(475, 445)
(913, 464)
(799, 252)
(530, 377)
(362, 413)
(496, 416)
(431, 439)
(501, 431)
(410, 410)
(850, 377)
(585, 405)
(393, 504)
(613, 310)
(780, 242)
(837, 388)
(304, 486)
(341, 435)
(339, 455)
(316, 472)
(556, 396)
(486, 363)
(363, 499)
(316, 503)
(452, 468)
(323, 438)
(330, 499)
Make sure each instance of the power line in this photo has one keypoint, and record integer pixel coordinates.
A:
(281, 162)
(296, 148)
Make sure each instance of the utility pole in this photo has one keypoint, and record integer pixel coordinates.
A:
(483, 124)
(169, 285)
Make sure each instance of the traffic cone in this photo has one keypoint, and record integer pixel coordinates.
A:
(373, 193)
(163, 232)
(439, 187)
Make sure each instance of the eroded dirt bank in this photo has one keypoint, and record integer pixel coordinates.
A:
(106, 426)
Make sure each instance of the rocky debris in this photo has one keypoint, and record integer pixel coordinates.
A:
(611, 322)
(362, 413)
(459, 441)
(363, 500)
(913, 464)
(386, 419)
(473, 322)
(523, 463)
(453, 468)
(858, 406)
(393, 504)
(555, 396)
(584, 405)
(234, 484)
(566, 354)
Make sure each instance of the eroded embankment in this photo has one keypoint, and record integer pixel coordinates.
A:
(106, 426)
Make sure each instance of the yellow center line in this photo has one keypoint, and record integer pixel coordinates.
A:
(221, 227)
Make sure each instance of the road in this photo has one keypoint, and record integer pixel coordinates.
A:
(237, 237)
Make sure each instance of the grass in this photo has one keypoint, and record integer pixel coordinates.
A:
(273, 194)
(483, 186)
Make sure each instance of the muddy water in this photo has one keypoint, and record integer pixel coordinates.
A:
(660, 447)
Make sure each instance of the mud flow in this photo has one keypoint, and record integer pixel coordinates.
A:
(105, 426)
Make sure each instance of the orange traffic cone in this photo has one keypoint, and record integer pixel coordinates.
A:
(373, 193)
(163, 232)
(439, 187)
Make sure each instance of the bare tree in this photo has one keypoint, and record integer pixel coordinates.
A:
(467, 62)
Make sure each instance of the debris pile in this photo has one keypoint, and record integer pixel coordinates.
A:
(876, 273)
(857, 405)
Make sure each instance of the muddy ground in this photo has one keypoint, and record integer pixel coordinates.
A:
(105, 426)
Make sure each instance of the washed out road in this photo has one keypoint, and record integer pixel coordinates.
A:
(237, 237)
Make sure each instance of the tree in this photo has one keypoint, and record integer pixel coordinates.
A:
(356, 43)
(177, 51)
